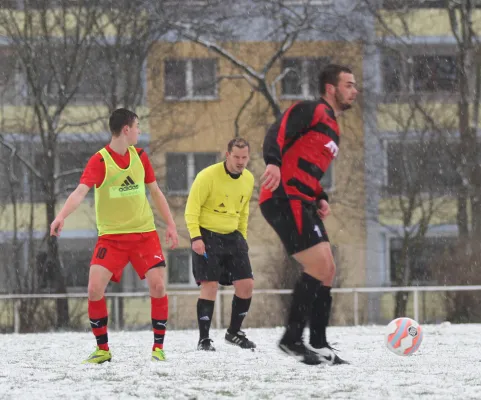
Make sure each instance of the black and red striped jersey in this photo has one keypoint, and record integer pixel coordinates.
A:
(302, 142)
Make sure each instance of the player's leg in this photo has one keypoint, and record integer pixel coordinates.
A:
(206, 274)
(159, 309)
(106, 265)
(148, 261)
(239, 270)
(205, 311)
(318, 263)
(240, 307)
(287, 218)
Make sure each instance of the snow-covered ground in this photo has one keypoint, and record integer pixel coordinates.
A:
(48, 366)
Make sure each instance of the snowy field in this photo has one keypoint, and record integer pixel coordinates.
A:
(48, 366)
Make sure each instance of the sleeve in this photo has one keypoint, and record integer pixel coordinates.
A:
(149, 170)
(322, 196)
(94, 172)
(198, 194)
(294, 122)
(244, 214)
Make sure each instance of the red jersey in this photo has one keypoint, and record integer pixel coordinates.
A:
(94, 174)
(303, 142)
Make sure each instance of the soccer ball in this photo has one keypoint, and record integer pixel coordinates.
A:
(403, 336)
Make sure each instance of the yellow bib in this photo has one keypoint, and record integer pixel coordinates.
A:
(121, 205)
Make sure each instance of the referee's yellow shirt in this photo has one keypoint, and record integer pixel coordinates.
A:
(219, 202)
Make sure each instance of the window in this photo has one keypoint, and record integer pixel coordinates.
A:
(189, 3)
(423, 257)
(112, 71)
(9, 77)
(422, 167)
(302, 79)
(11, 261)
(421, 73)
(410, 4)
(75, 263)
(327, 180)
(71, 158)
(307, 2)
(182, 169)
(74, 254)
(179, 268)
(190, 79)
(11, 179)
(8, 4)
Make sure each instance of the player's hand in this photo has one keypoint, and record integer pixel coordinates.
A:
(171, 236)
(324, 209)
(198, 246)
(271, 177)
(56, 226)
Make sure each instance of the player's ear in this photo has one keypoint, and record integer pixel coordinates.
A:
(330, 88)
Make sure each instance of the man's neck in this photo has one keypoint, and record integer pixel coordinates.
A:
(232, 174)
(119, 146)
(333, 105)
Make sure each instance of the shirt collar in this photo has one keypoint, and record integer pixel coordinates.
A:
(233, 176)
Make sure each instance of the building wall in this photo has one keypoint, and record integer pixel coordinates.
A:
(206, 126)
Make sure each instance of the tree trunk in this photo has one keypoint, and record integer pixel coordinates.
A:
(53, 262)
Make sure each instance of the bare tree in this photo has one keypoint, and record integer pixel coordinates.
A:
(51, 43)
(428, 73)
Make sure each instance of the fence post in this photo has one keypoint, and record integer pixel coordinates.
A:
(117, 313)
(356, 307)
(16, 316)
(218, 310)
(416, 305)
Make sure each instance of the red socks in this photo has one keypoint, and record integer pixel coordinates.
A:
(160, 314)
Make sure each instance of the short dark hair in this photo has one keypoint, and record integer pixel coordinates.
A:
(330, 76)
(238, 142)
(119, 118)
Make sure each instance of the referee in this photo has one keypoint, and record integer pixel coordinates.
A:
(216, 215)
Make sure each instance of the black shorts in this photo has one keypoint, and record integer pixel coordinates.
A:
(227, 258)
(296, 223)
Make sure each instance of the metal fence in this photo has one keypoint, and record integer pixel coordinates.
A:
(174, 295)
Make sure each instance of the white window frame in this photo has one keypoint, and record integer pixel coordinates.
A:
(304, 81)
(412, 139)
(446, 232)
(189, 83)
(192, 283)
(407, 80)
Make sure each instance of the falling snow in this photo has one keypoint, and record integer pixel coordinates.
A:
(48, 366)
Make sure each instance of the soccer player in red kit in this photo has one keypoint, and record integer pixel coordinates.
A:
(298, 149)
(119, 174)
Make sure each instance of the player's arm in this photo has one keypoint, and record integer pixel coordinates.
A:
(71, 204)
(198, 194)
(160, 203)
(295, 120)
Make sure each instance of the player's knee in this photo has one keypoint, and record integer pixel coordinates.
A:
(95, 290)
(209, 289)
(244, 288)
(333, 270)
(157, 288)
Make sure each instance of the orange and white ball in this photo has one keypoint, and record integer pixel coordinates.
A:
(403, 336)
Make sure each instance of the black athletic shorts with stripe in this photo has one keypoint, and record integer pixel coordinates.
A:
(227, 258)
(296, 223)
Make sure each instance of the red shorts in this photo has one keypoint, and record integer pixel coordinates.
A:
(142, 250)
